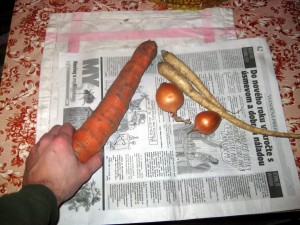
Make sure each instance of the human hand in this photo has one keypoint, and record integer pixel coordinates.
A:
(53, 163)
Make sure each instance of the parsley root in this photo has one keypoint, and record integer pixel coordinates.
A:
(190, 75)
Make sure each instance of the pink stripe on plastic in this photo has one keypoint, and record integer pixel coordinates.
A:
(209, 35)
(206, 33)
(142, 34)
(74, 38)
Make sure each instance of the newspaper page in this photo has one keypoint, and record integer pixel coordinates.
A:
(155, 169)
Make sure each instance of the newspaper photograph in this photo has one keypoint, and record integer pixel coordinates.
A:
(157, 169)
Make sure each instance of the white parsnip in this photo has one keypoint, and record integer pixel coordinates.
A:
(175, 77)
(179, 65)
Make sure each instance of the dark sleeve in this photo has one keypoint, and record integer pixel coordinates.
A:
(33, 204)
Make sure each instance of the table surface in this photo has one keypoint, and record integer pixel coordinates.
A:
(276, 20)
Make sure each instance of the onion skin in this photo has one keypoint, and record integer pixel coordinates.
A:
(207, 122)
(169, 98)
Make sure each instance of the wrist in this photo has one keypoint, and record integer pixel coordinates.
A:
(49, 189)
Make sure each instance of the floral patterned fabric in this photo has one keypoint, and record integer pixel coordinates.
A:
(276, 20)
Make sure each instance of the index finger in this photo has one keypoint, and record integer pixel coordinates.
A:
(67, 129)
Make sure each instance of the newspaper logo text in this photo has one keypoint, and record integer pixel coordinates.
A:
(90, 72)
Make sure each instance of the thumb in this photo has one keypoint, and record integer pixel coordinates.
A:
(92, 165)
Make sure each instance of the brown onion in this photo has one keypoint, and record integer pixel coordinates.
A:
(207, 122)
(169, 98)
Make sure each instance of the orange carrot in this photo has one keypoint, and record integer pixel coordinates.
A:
(104, 121)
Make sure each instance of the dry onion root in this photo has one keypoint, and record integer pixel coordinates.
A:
(174, 76)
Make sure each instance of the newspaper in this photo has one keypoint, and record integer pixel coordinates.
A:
(155, 169)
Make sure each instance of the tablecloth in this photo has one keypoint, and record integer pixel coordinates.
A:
(276, 20)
